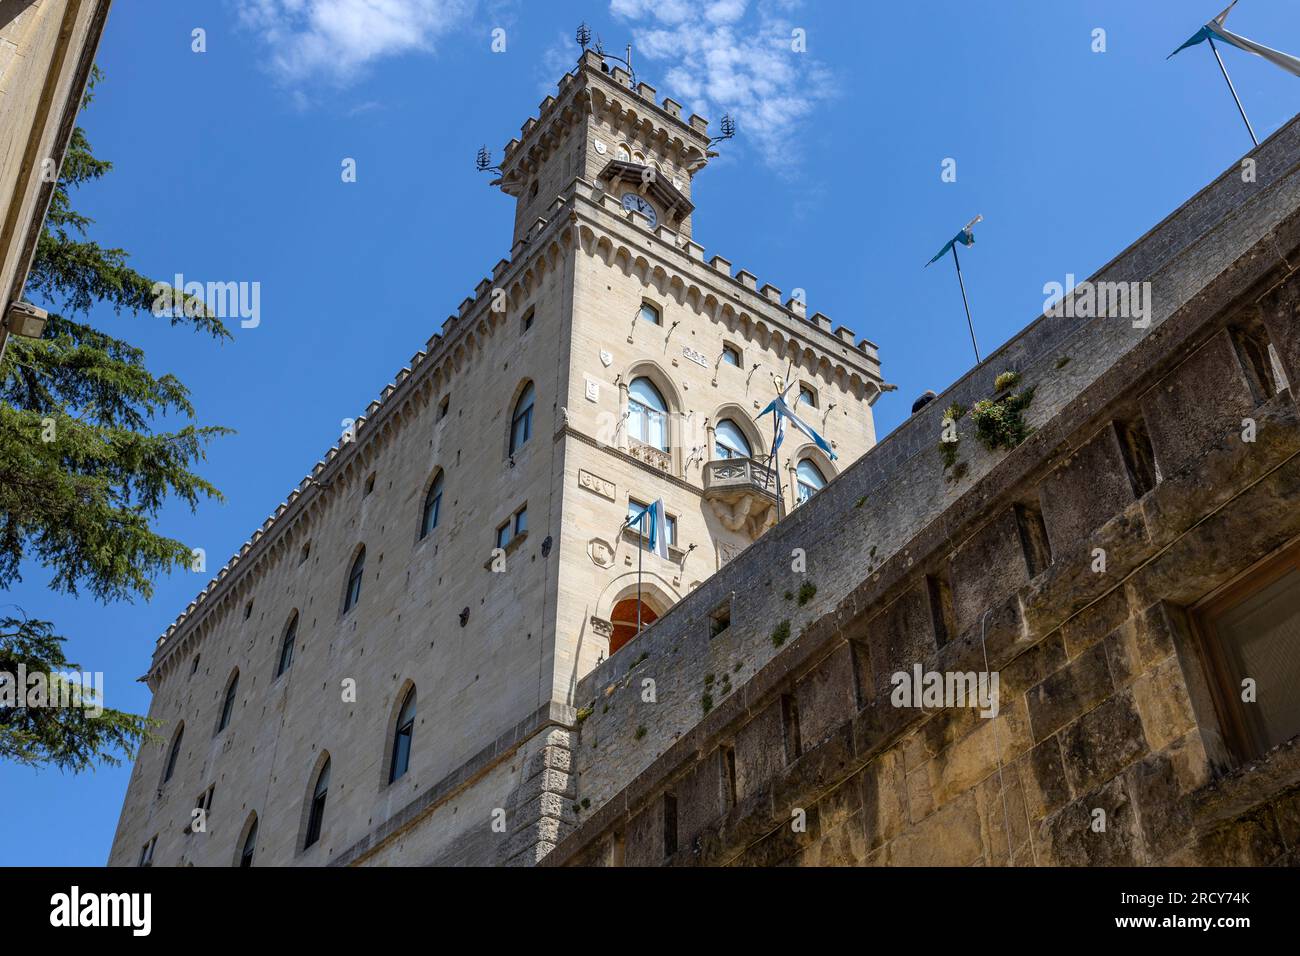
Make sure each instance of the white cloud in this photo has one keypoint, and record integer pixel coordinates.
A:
(723, 58)
(336, 39)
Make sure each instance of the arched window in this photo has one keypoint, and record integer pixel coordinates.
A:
(638, 157)
(730, 355)
(401, 756)
(353, 593)
(173, 754)
(521, 422)
(730, 441)
(286, 645)
(647, 414)
(432, 505)
(316, 812)
(807, 395)
(249, 846)
(810, 479)
(650, 314)
(228, 705)
(624, 154)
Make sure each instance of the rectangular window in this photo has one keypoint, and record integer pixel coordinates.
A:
(670, 824)
(444, 407)
(527, 321)
(720, 619)
(1251, 641)
(635, 507)
(729, 775)
(790, 728)
(1033, 538)
(513, 528)
(146, 852)
(939, 587)
(1139, 455)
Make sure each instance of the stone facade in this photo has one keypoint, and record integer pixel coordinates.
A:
(494, 643)
(47, 48)
(1161, 472)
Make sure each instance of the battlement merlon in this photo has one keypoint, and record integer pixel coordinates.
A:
(594, 89)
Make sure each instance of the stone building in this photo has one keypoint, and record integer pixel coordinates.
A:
(386, 672)
(1116, 537)
(47, 50)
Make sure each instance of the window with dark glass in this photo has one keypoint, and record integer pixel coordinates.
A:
(173, 754)
(316, 814)
(432, 505)
(146, 852)
(1251, 641)
(401, 756)
(228, 705)
(250, 845)
(521, 423)
(286, 646)
(353, 592)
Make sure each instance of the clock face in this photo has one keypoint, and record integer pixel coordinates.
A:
(632, 201)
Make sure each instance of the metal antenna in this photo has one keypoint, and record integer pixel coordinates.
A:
(583, 35)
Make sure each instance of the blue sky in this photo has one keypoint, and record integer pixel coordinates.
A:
(228, 168)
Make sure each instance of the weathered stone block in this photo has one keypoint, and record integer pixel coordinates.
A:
(1281, 309)
(948, 837)
(1102, 742)
(1094, 623)
(884, 798)
(1068, 837)
(1085, 491)
(827, 697)
(1042, 775)
(1197, 405)
(986, 568)
(1074, 689)
(1163, 703)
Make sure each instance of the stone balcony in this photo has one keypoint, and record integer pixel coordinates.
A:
(651, 455)
(743, 493)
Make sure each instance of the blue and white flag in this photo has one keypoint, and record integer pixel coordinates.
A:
(654, 527)
(966, 237)
(1216, 30)
(784, 412)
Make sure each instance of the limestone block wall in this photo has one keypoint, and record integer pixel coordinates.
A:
(1104, 705)
(46, 51)
(614, 276)
(475, 683)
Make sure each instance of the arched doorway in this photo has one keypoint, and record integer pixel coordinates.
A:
(623, 618)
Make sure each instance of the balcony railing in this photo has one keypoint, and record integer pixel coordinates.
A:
(726, 476)
(652, 456)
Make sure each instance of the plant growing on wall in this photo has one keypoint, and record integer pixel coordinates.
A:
(1000, 421)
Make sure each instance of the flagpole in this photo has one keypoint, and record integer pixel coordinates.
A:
(966, 303)
(1224, 70)
(639, 550)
